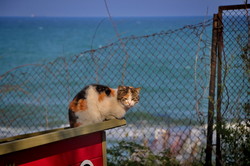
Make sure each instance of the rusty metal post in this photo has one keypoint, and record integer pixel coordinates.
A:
(248, 23)
(219, 91)
(211, 102)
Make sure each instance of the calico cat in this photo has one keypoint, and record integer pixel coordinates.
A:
(96, 103)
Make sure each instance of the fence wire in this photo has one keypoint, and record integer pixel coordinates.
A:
(235, 108)
(171, 67)
(168, 126)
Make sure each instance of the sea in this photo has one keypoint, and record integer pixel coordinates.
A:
(32, 40)
(174, 79)
(24, 41)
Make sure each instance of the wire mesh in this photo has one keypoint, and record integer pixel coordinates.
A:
(168, 126)
(171, 67)
(235, 87)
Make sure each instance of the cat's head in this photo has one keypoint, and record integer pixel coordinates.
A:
(128, 96)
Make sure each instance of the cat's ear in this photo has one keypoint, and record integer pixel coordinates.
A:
(120, 87)
(138, 89)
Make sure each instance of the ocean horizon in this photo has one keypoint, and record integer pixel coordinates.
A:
(39, 40)
(164, 56)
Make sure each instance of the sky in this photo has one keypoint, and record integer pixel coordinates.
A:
(117, 8)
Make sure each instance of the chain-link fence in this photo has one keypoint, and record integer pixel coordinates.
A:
(168, 125)
(233, 109)
(171, 67)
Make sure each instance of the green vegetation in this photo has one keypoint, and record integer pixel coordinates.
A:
(133, 154)
(236, 144)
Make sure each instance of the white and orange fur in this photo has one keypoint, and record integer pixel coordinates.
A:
(96, 103)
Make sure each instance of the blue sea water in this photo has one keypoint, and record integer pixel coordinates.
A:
(172, 89)
(164, 66)
(26, 40)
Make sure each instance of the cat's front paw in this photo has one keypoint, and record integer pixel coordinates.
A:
(113, 117)
(121, 118)
(110, 117)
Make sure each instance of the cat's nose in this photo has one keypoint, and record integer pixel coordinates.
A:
(131, 104)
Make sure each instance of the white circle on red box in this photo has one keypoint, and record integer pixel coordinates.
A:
(87, 163)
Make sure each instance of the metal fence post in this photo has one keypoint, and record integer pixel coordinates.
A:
(211, 102)
(248, 23)
(219, 90)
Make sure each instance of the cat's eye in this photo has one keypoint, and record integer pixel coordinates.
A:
(135, 98)
(124, 99)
